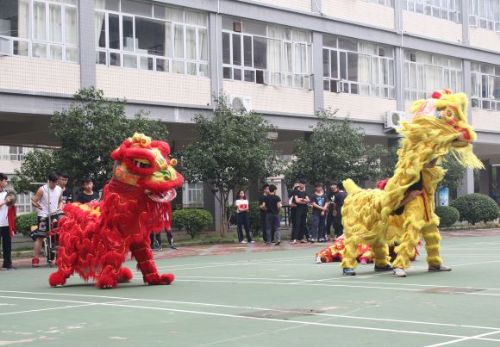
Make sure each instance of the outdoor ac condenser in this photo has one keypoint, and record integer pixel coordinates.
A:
(240, 103)
(393, 119)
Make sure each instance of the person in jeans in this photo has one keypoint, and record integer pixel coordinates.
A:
(272, 206)
(319, 211)
(262, 198)
(300, 199)
(242, 208)
(330, 197)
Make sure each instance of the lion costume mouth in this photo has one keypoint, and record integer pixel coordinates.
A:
(162, 198)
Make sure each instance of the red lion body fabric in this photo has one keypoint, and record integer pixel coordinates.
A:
(95, 238)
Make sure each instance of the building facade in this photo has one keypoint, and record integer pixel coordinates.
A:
(285, 59)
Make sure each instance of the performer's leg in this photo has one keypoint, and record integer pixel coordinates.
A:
(406, 249)
(381, 253)
(145, 262)
(432, 237)
(349, 261)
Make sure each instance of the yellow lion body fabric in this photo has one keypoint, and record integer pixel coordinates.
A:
(439, 126)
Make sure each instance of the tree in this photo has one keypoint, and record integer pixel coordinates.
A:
(454, 173)
(88, 132)
(335, 150)
(230, 149)
(35, 168)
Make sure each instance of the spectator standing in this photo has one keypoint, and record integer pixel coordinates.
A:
(319, 210)
(87, 194)
(7, 221)
(330, 197)
(62, 182)
(48, 202)
(262, 198)
(156, 240)
(340, 196)
(272, 206)
(242, 208)
(293, 207)
(300, 199)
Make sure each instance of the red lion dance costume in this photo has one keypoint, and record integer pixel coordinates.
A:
(95, 238)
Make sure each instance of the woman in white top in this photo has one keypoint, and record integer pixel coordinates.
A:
(48, 202)
(242, 208)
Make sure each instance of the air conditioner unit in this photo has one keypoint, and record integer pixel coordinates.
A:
(240, 103)
(393, 119)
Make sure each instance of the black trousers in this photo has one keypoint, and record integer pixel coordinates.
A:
(243, 222)
(263, 227)
(6, 247)
(329, 222)
(337, 225)
(156, 237)
(299, 229)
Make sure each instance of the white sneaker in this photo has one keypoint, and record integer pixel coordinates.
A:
(398, 272)
(318, 260)
(243, 242)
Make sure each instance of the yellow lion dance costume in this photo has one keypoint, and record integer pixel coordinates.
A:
(439, 126)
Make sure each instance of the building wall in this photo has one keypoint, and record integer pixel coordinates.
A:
(39, 75)
(486, 120)
(360, 12)
(273, 99)
(300, 5)
(8, 166)
(486, 39)
(428, 26)
(363, 108)
(151, 86)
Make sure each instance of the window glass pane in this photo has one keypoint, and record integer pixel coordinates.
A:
(56, 52)
(14, 18)
(227, 73)
(161, 65)
(343, 66)
(174, 14)
(352, 66)
(250, 76)
(237, 74)
(55, 23)
(101, 58)
(129, 61)
(202, 44)
(168, 40)
(178, 66)
(334, 64)
(247, 50)
(137, 7)
(191, 68)
(159, 11)
(348, 44)
(114, 31)
(100, 32)
(112, 5)
(128, 33)
(71, 26)
(179, 41)
(150, 36)
(39, 50)
(203, 70)
(72, 54)
(226, 48)
(236, 49)
(146, 63)
(196, 18)
(114, 59)
(21, 48)
(191, 43)
(260, 52)
(39, 27)
(326, 63)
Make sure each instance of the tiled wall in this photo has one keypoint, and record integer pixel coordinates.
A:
(486, 39)
(486, 120)
(427, 26)
(363, 108)
(360, 12)
(151, 86)
(298, 5)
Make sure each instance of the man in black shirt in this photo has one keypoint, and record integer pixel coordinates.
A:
(272, 207)
(340, 195)
(300, 199)
(87, 195)
(62, 181)
(330, 197)
(265, 192)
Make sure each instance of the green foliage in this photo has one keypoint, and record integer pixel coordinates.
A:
(335, 150)
(454, 173)
(475, 208)
(24, 222)
(34, 170)
(448, 215)
(192, 220)
(88, 132)
(230, 149)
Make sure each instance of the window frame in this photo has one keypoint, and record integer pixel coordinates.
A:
(444, 10)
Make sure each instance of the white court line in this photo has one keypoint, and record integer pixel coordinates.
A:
(330, 315)
(288, 321)
(464, 339)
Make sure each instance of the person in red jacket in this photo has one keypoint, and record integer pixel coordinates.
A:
(7, 221)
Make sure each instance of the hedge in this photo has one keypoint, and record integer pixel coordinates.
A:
(24, 222)
(192, 220)
(448, 216)
(475, 208)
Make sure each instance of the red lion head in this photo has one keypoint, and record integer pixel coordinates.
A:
(143, 163)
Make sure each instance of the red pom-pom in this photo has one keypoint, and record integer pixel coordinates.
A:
(167, 278)
(57, 279)
(125, 275)
(436, 95)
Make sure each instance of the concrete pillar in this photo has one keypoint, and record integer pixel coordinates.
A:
(398, 16)
(316, 6)
(86, 30)
(317, 48)
(215, 49)
(467, 186)
(465, 22)
(399, 78)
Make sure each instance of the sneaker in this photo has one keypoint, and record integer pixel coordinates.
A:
(277, 243)
(173, 247)
(243, 242)
(398, 272)
(268, 243)
(439, 268)
(387, 267)
(348, 272)
(252, 241)
(303, 241)
(318, 260)
(35, 262)
(293, 242)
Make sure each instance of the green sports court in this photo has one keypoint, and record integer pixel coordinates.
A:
(264, 296)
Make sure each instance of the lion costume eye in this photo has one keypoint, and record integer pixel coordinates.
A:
(141, 163)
